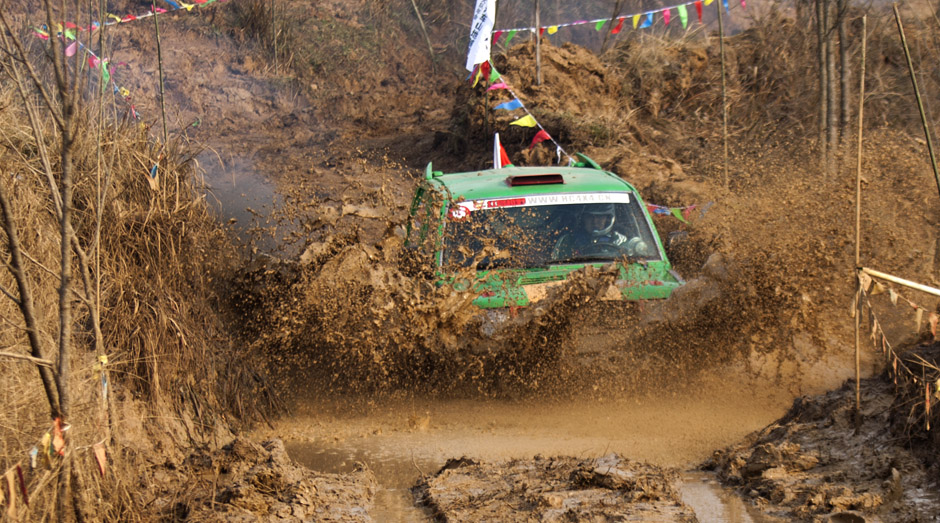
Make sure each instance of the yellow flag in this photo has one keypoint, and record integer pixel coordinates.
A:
(553, 29)
(188, 7)
(636, 20)
(709, 2)
(525, 121)
(116, 17)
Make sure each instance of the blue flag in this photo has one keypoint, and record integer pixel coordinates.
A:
(509, 106)
(177, 6)
(649, 20)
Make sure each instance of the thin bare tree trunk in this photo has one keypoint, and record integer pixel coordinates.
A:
(832, 101)
(67, 94)
(823, 81)
(845, 70)
(26, 305)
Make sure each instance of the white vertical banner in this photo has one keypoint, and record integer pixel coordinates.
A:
(481, 33)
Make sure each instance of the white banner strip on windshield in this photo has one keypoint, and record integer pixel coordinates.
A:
(545, 199)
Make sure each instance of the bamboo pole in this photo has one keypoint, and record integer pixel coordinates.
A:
(900, 281)
(920, 103)
(858, 229)
(724, 93)
(538, 45)
(426, 37)
(156, 27)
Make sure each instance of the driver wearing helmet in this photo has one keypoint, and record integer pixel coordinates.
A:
(596, 236)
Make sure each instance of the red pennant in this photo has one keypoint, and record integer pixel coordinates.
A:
(698, 9)
(540, 137)
(129, 18)
(485, 70)
(541, 31)
(19, 475)
(688, 211)
(619, 26)
(101, 457)
(496, 36)
(70, 25)
(503, 157)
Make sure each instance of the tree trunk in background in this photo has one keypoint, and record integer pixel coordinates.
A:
(823, 81)
(832, 99)
(845, 69)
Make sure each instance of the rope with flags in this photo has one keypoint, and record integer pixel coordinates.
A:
(488, 73)
(95, 62)
(113, 19)
(640, 20)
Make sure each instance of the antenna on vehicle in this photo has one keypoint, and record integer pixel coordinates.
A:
(497, 164)
(500, 158)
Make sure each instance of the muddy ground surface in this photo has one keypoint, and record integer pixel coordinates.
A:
(813, 462)
(368, 356)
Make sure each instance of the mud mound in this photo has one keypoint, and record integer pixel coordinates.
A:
(245, 481)
(553, 489)
(812, 462)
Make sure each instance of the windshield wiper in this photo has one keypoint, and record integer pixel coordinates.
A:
(584, 258)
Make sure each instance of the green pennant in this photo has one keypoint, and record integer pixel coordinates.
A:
(494, 74)
(509, 37)
(599, 25)
(70, 34)
(677, 212)
(105, 75)
(683, 15)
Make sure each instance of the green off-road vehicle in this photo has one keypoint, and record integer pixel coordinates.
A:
(510, 234)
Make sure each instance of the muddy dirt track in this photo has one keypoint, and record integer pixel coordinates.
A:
(316, 169)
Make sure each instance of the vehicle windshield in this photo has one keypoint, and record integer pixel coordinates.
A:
(542, 230)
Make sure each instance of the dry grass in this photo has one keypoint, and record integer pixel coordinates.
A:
(160, 260)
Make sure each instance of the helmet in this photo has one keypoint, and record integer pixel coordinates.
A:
(600, 209)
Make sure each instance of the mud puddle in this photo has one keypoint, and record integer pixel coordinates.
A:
(402, 441)
(396, 474)
(714, 503)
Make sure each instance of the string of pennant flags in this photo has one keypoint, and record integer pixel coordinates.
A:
(488, 73)
(68, 31)
(113, 19)
(95, 63)
(497, 81)
(641, 20)
(897, 367)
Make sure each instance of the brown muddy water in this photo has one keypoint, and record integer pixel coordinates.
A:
(403, 439)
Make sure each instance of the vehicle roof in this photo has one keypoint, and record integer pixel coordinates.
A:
(492, 183)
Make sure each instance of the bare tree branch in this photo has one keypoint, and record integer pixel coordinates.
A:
(37, 361)
(30, 314)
